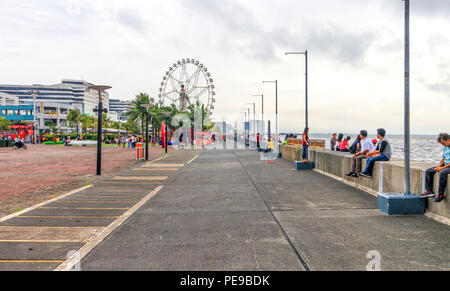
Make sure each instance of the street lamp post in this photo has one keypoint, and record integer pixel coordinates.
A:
(100, 111)
(306, 81)
(254, 119)
(166, 114)
(276, 109)
(34, 94)
(407, 114)
(148, 116)
(262, 111)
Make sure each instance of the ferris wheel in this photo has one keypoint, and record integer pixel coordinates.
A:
(186, 82)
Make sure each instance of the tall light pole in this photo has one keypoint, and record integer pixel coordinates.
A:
(100, 111)
(254, 118)
(166, 114)
(407, 105)
(306, 81)
(262, 111)
(148, 116)
(34, 94)
(276, 109)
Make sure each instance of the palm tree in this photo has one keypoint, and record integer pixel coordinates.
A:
(206, 120)
(85, 122)
(106, 121)
(138, 113)
(74, 117)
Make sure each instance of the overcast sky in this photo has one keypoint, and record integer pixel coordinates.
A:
(355, 47)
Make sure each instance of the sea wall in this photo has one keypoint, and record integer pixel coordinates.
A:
(387, 176)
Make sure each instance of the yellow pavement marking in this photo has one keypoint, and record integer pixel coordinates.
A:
(98, 202)
(141, 178)
(117, 184)
(44, 203)
(162, 166)
(84, 208)
(148, 169)
(33, 216)
(31, 261)
(108, 196)
(87, 248)
(51, 227)
(39, 241)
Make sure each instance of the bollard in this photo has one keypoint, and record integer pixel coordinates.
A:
(139, 152)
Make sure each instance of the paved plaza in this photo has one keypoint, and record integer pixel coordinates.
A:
(220, 210)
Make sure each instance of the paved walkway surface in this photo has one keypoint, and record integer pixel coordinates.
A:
(225, 210)
(228, 210)
(44, 237)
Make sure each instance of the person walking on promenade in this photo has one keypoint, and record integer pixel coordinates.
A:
(305, 143)
(270, 147)
(443, 169)
(366, 147)
(333, 142)
(258, 138)
(382, 153)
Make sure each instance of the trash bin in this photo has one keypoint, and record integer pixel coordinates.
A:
(9, 143)
(2, 143)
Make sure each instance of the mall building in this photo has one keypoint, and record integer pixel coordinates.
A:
(53, 103)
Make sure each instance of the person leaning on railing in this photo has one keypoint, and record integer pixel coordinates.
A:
(443, 169)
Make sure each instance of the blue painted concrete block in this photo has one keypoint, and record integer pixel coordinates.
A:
(401, 204)
(260, 150)
(304, 166)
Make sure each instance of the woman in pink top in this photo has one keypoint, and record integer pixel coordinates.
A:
(344, 145)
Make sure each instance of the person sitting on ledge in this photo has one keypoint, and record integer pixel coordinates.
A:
(356, 145)
(443, 169)
(338, 142)
(382, 153)
(366, 147)
(344, 145)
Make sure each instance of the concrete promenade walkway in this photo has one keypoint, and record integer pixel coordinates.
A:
(228, 210)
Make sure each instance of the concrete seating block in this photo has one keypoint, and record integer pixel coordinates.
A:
(299, 165)
(401, 204)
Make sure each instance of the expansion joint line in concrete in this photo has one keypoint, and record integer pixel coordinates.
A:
(286, 236)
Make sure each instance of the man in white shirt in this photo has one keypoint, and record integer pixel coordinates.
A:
(366, 147)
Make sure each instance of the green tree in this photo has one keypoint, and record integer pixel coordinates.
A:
(74, 117)
(138, 113)
(4, 123)
(86, 122)
(131, 126)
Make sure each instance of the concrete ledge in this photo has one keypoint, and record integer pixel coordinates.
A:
(387, 176)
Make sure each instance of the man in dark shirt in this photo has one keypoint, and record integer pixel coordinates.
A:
(333, 142)
(381, 153)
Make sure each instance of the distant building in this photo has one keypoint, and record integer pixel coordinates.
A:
(118, 109)
(53, 102)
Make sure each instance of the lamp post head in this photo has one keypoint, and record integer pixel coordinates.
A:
(147, 106)
(100, 88)
(166, 114)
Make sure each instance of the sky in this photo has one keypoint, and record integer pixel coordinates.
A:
(356, 54)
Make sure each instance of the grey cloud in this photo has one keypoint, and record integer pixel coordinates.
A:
(248, 36)
(441, 85)
(131, 20)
